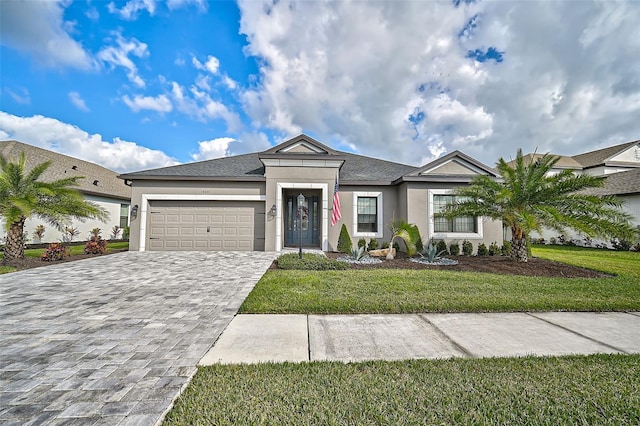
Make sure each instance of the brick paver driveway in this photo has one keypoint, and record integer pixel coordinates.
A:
(112, 340)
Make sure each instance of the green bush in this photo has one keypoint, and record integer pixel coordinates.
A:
(494, 249)
(362, 243)
(384, 245)
(344, 240)
(506, 248)
(373, 244)
(441, 246)
(454, 249)
(467, 248)
(309, 262)
(419, 245)
(482, 250)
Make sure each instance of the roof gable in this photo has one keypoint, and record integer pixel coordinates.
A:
(606, 155)
(301, 144)
(455, 163)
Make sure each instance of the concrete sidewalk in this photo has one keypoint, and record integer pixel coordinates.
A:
(279, 338)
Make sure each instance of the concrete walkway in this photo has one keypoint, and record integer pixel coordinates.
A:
(112, 340)
(297, 338)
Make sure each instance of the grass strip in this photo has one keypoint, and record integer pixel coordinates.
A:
(596, 389)
(410, 291)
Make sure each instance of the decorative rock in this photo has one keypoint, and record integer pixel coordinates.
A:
(441, 261)
(390, 256)
(382, 252)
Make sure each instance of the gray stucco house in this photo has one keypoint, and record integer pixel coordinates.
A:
(248, 202)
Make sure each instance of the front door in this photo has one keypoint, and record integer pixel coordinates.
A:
(306, 227)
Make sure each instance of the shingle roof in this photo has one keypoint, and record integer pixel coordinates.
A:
(622, 183)
(356, 168)
(597, 158)
(62, 166)
(564, 161)
(238, 166)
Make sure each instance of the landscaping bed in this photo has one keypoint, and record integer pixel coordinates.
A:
(535, 267)
(32, 256)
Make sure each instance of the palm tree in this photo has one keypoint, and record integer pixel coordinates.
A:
(22, 195)
(531, 198)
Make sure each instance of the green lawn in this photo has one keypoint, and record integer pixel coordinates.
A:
(406, 291)
(598, 389)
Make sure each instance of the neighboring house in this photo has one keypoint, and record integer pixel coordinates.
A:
(621, 166)
(99, 185)
(249, 202)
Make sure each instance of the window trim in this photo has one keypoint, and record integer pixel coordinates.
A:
(450, 235)
(379, 211)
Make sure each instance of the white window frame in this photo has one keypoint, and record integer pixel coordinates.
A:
(450, 235)
(378, 195)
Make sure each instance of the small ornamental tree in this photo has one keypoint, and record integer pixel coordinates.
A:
(530, 198)
(344, 240)
(23, 195)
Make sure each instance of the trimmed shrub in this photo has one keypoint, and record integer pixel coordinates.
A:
(309, 262)
(506, 248)
(362, 243)
(384, 245)
(482, 250)
(54, 252)
(373, 244)
(441, 246)
(454, 249)
(344, 240)
(467, 248)
(494, 250)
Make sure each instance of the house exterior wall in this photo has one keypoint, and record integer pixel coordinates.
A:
(304, 179)
(52, 235)
(419, 199)
(144, 191)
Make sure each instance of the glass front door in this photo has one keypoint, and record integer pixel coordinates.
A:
(302, 222)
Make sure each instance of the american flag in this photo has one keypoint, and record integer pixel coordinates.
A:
(336, 214)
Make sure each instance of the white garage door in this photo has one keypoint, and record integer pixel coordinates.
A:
(206, 225)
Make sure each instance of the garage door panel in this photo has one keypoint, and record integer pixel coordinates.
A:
(206, 225)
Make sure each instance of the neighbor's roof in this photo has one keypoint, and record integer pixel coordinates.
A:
(564, 162)
(599, 157)
(62, 166)
(356, 168)
(621, 183)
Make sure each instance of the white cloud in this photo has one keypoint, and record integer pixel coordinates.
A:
(118, 55)
(177, 4)
(230, 83)
(48, 133)
(395, 80)
(77, 100)
(131, 9)
(38, 29)
(215, 148)
(93, 14)
(160, 103)
(201, 106)
(23, 97)
(212, 64)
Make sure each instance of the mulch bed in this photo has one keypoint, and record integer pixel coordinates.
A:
(535, 267)
(35, 262)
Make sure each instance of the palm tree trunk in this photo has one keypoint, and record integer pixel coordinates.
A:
(15, 244)
(519, 249)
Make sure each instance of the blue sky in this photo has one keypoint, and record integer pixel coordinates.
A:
(140, 84)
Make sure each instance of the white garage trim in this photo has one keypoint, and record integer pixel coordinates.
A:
(178, 197)
(325, 210)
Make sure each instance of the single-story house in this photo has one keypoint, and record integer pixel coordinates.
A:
(100, 185)
(620, 164)
(249, 202)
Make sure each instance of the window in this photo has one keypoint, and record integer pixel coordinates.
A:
(367, 214)
(457, 227)
(464, 224)
(124, 215)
